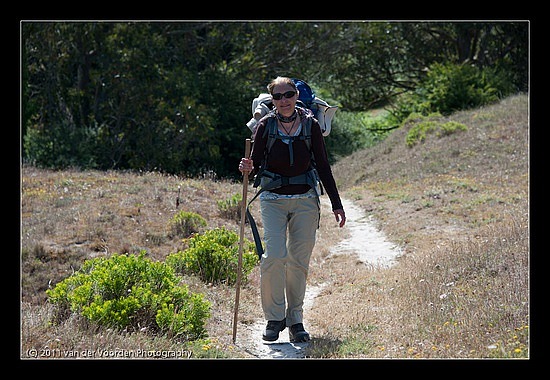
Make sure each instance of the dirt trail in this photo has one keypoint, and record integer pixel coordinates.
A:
(365, 241)
(369, 244)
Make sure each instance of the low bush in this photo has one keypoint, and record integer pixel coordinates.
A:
(213, 256)
(133, 293)
(419, 132)
(231, 208)
(185, 223)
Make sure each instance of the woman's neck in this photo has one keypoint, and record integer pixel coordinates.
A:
(287, 118)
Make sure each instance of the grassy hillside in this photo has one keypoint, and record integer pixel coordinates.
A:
(457, 204)
(466, 179)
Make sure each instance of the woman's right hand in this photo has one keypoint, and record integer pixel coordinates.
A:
(246, 165)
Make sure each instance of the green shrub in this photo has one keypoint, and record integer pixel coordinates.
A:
(421, 129)
(450, 87)
(132, 292)
(231, 208)
(450, 127)
(185, 223)
(213, 256)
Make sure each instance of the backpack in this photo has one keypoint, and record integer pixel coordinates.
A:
(321, 110)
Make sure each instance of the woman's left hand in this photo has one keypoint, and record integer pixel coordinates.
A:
(340, 216)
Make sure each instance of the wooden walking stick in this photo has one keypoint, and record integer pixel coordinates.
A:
(241, 241)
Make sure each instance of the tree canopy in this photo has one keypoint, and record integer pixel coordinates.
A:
(175, 96)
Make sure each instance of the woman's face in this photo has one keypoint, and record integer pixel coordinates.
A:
(284, 105)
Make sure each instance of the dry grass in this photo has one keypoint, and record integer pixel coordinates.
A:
(459, 208)
(457, 205)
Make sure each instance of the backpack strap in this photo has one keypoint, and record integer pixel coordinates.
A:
(271, 132)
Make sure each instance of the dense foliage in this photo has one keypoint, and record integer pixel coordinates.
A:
(175, 96)
(213, 257)
(134, 293)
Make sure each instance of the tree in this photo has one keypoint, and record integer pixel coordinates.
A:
(175, 96)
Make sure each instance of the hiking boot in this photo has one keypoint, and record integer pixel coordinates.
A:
(298, 334)
(273, 329)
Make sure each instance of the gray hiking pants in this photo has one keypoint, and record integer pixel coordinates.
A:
(285, 263)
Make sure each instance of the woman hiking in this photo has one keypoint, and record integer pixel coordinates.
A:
(290, 213)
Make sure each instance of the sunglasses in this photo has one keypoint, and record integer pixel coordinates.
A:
(288, 95)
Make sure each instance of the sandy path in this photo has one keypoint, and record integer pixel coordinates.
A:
(368, 243)
(365, 241)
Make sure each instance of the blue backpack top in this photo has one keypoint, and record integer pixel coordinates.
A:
(306, 93)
